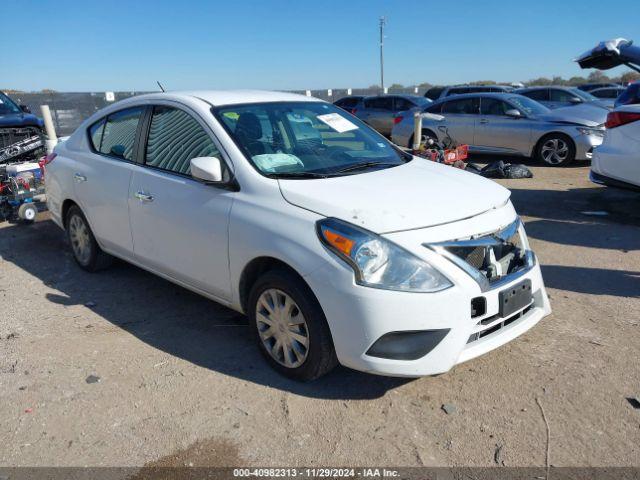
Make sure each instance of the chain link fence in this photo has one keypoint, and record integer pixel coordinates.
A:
(71, 108)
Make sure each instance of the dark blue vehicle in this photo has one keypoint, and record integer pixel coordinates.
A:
(21, 135)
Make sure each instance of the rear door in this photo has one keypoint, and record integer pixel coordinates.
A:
(379, 113)
(460, 116)
(496, 131)
(102, 175)
(180, 225)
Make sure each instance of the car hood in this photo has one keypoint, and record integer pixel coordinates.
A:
(584, 114)
(20, 120)
(415, 195)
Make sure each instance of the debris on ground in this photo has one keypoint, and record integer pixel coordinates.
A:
(12, 336)
(500, 169)
(497, 455)
(90, 304)
(92, 379)
(449, 408)
(634, 401)
(28, 410)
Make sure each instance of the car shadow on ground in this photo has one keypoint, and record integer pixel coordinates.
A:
(594, 281)
(166, 316)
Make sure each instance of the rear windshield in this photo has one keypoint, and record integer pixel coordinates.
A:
(434, 93)
(291, 139)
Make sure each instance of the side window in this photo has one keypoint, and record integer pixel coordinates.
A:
(347, 102)
(175, 138)
(380, 103)
(468, 106)
(120, 133)
(437, 108)
(493, 106)
(95, 134)
(402, 104)
(537, 95)
(561, 96)
(457, 91)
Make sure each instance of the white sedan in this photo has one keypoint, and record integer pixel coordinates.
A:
(617, 161)
(338, 246)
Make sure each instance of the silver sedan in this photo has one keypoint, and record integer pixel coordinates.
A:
(505, 123)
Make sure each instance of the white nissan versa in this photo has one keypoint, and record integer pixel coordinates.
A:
(337, 245)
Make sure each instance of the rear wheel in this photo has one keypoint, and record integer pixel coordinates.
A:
(556, 150)
(27, 212)
(290, 327)
(85, 249)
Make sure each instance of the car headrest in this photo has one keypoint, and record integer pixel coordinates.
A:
(249, 126)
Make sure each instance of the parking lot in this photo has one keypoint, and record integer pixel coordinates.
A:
(124, 368)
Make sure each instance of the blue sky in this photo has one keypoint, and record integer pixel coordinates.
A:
(278, 44)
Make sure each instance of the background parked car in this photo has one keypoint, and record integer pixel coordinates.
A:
(507, 123)
(21, 135)
(557, 97)
(349, 103)
(588, 87)
(380, 112)
(438, 92)
(631, 95)
(617, 161)
(607, 95)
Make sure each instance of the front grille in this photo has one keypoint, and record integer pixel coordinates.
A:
(489, 258)
(494, 324)
(16, 142)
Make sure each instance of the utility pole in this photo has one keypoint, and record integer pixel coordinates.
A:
(383, 22)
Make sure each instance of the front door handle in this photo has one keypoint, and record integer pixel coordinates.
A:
(79, 178)
(144, 197)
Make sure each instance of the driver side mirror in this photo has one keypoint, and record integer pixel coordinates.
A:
(206, 169)
(25, 109)
(575, 100)
(513, 113)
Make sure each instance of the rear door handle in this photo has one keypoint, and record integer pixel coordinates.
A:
(144, 197)
(79, 178)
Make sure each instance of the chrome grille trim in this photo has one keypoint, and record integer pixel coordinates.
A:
(487, 243)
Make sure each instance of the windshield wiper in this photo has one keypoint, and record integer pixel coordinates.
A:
(365, 165)
(285, 175)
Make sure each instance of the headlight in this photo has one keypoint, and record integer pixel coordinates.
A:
(377, 262)
(597, 132)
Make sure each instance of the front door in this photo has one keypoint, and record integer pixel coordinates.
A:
(460, 118)
(496, 131)
(180, 225)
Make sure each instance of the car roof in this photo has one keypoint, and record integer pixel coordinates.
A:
(229, 97)
(500, 95)
(541, 87)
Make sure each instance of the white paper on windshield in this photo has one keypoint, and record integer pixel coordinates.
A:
(269, 162)
(337, 122)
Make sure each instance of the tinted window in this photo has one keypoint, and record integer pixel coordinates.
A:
(462, 106)
(630, 96)
(120, 133)
(457, 91)
(175, 138)
(402, 104)
(347, 102)
(434, 93)
(561, 96)
(8, 106)
(437, 108)
(95, 134)
(381, 103)
(493, 106)
(541, 95)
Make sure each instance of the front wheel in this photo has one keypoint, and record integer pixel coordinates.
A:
(556, 150)
(290, 327)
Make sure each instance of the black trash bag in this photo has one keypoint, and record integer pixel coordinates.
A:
(501, 170)
(517, 171)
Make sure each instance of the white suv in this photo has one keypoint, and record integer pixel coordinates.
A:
(338, 246)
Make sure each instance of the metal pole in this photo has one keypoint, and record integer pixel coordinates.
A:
(383, 21)
(417, 130)
(52, 138)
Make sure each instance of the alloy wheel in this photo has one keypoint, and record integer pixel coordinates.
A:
(282, 328)
(555, 151)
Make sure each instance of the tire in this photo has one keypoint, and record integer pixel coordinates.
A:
(426, 134)
(556, 150)
(305, 363)
(84, 247)
(27, 212)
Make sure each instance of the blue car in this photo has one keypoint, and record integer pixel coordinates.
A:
(21, 135)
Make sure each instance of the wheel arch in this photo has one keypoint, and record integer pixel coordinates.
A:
(255, 269)
(66, 205)
(538, 142)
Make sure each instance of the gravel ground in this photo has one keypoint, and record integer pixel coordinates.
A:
(122, 368)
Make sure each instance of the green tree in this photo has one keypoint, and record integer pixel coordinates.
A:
(396, 86)
(598, 77)
(629, 77)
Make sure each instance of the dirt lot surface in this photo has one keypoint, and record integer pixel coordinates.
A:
(124, 368)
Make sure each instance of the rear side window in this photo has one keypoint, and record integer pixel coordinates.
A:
(380, 103)
(95, 134)
(119, 133)
(457, 91)
(561, 96)
(434, 93)
(468, 106)
(175, 138)
(347, 102)
(402, 104)
(537, 95)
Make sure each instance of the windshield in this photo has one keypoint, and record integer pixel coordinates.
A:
(528, 106)
(586, 96)
(7, 106)
(306, 139)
